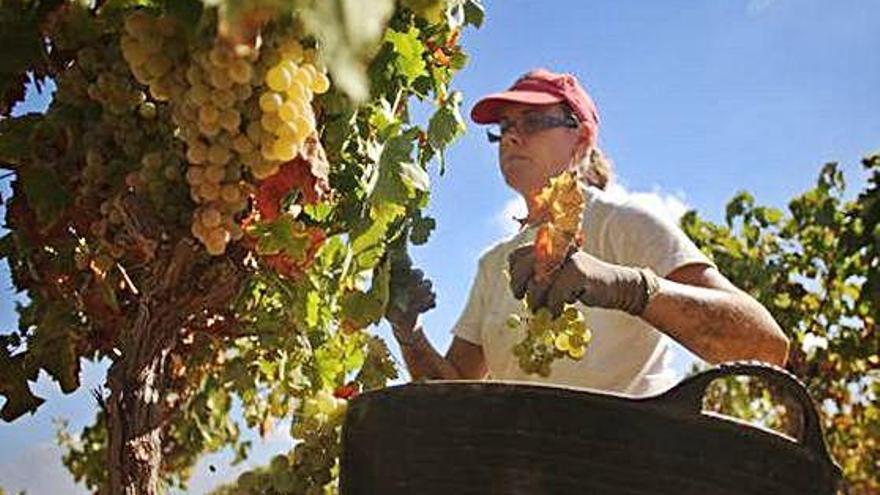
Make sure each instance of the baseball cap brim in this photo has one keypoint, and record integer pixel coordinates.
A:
(486, 111)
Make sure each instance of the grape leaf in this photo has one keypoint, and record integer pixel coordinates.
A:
(22, 47)
(421, 229)
(445, 126)
(399, 178)
(15, 145)
(284, 235)
(362, 309)
(410, 51)
(474, 13)
(383, 120)
(60, 361)
(414, 177)
(45, 194)
(367, 240)
(14, 386)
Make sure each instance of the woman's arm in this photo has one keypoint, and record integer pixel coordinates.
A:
(698, 307)
(463, 360)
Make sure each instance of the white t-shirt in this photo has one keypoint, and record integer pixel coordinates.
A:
(626, 354)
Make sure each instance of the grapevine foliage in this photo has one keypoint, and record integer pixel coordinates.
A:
(212, 202)
(815, 268)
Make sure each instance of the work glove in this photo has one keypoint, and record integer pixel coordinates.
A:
(581, 277)
(411, 295)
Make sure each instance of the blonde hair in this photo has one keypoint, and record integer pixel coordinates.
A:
(595, 169)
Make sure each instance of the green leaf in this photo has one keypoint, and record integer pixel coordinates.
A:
(446, 125)
(421, 229)
(398, 178)
(383, 120)
(458, 61)
(45, 193)
(414, 176)
(362, 309)
(474, 13)
(367, 242)
(737, 206)
(52, 347)
(15, 134)
(21, 46)
(14, 386)
(431, 10)
(283, 235)
(410, 52)
(773, 215)
(318, 211)
(313, 308)
(782, 300)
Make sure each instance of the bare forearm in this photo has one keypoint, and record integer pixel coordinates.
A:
(424, 362)
(717, 325)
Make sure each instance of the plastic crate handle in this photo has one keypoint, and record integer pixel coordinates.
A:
(687, 397)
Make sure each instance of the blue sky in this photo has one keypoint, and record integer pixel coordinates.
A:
(697, 100)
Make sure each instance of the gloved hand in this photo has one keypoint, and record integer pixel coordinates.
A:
(581, 277)
(411, 295)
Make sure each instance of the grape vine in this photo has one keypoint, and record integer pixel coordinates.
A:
(208, 204)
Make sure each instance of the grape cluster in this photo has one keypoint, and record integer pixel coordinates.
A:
(210, 116)
(126, 147)
(154, 48)
(115, 93)
(548, 339)
(159, 178)
(242, 114)
(312, 465)
(286, 105)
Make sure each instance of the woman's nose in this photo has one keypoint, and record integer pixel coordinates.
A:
(511, 136)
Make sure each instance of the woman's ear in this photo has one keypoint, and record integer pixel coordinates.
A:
(585, 134)
(584, 141)
(583, 146)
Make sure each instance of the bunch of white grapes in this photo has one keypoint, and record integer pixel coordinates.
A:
(548, 339)
(241, 113)
(286, 104)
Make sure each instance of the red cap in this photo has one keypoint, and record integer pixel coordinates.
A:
(540, 87)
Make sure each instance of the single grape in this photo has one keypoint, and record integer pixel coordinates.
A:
(240, 71)
(284, 149)
(208, 114)
(278, 79)
(288, 111)
(321, 84)
(215, 172)
(271, 101)
(147, 110)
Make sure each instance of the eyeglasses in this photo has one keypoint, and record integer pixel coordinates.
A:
(530, 124)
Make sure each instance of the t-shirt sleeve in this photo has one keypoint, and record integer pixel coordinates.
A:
(641, 237)
(470, 324)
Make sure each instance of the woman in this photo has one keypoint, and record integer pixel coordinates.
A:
(637, 276)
